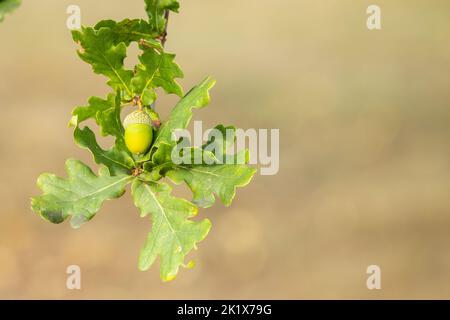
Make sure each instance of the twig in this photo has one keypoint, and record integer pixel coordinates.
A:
(163, 42)
(164, 35)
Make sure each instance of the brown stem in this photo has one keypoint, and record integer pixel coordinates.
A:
(163, 42)
(138, 102)
(164, 35)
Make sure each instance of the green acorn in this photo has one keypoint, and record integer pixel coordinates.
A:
(138, 132)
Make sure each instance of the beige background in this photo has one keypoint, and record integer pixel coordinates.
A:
(364, 179)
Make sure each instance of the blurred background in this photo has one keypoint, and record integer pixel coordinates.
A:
(364, 178)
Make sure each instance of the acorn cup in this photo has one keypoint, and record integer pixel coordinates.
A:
(138, 132)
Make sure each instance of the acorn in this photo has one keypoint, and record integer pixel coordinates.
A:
(138, 132)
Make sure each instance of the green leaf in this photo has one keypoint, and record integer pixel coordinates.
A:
(7, 6)
(105, 45)
(157, 69)
(80, 196)
(156, 9)
(197, 97)
(117, 159)
(207, 180)
(99, 48)
(107, 115)
(128, 31)
(220, 140)
(204, 180)
(221, 176)
(173, 234)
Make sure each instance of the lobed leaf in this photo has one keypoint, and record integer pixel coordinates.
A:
(107, 115)
(220, 142)
(173, 234)
(117, 159)
(105, 45)
(100, 49)
(128, 31)
(207, 180)
(79, 196)
(157, 69)
(204, 180)
(181, 114)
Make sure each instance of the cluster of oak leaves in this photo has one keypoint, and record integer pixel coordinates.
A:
(174, 234)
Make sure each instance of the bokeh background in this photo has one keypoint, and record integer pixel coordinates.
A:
(364, 178)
